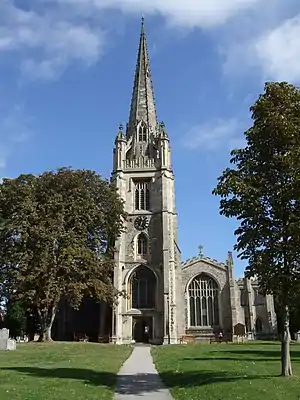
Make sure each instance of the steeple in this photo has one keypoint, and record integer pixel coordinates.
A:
(142, 102)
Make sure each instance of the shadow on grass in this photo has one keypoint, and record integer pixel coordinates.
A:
(245, 355)
(261, 354)
(240, 358)
(139, 383)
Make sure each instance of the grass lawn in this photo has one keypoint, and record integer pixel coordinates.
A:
(232, 371)
(60, 371)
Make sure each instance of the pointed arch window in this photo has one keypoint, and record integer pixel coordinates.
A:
(142, 132)
(142, 195)
(142, 245)
(142, 286)
(203, 295)
(259, 298)
(259, 325)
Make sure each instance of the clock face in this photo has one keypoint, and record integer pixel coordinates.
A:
(141, 223)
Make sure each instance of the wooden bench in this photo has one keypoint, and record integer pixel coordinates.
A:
(218, 340)
(187, 339)
(104, 339)
(80, 337)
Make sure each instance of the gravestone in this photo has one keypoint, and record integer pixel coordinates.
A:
(5, 342)
(297, 337)
(239, 333)
(239, 330)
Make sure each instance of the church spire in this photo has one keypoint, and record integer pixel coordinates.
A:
(142, 102)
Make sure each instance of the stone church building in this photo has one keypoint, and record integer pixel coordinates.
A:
(167, 299)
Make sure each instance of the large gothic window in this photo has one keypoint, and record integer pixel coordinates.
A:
(142, 195)
(203, 295)
(142, 288)
(142, 132)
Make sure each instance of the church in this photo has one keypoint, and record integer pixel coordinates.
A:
(168, 299)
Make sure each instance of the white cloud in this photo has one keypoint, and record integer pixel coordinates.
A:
(47, 43)
(44, 69)
(215, 135)
(267, 48)
(188, 13)
(278, 51)
(53, 34)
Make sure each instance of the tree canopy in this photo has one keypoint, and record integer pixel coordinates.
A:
(262, 190)
(58, 239)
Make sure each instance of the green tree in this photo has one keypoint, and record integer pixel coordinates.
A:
(58, 240)
(15, 318)
(294, 312)
(262, 191)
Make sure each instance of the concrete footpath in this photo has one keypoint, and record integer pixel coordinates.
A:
(138, 378)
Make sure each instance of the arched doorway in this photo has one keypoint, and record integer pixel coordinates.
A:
(142, 302)
(258, 325)
(142, 329)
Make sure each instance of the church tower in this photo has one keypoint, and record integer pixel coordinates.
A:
(147, 256)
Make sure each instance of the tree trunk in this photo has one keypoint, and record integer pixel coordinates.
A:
(286, 365)
(46, 335)
(46, 321)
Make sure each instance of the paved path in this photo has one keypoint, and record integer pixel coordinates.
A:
(138, 378)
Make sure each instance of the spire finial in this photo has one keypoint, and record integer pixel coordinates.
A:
(143, 25)
(142, 102)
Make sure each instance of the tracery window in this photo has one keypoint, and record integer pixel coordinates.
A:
(142, 245)
(259, 298)
(142, 132)
(142, 195)
(142, 287)
(203, 301)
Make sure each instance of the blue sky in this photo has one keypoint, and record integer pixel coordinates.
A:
(66, 76)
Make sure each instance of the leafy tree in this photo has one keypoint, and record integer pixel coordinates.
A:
(3, 298)
(15, 318)
(32, 323)
(294, 311)
(295, 319)
(58, 239)
(262, 191)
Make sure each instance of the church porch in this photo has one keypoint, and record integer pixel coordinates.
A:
(141, 326)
